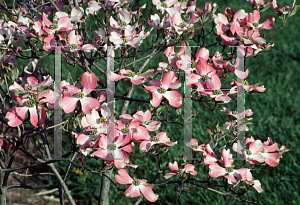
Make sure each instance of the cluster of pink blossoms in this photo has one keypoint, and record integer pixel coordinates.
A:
(256, 152)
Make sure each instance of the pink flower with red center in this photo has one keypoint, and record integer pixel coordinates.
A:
(182, 173)
(73, 94)
(112, 150)
(174, 97)
(136, 186)
(228, 172)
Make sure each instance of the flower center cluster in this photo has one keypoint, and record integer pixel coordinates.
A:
(204, 77)
(123, 24)
(245, 82)
(73, 46)
(30, 103)
(125, 131)
(30, 87)
(136, 182)
(170, 68)
(102, 119)
(63, 41)
(249, 38)
(239, 38)
(164, 5)
(255, 25)
(94, 132)
(195, 146)
(80, 95)
(54, 26)
(229, 169)
(179, 171)
(131, 74)
(125, 40)
(251, 183)
(112, 147)
(194, 64)
(248, 152)
(218, 92)
(234, 112)
(182, 25)
(161, 90)
(175, 54)
(155, 139)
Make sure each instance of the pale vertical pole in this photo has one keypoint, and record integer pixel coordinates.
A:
(188, 125)
(240, 109)
(57, 111)
(110, 95)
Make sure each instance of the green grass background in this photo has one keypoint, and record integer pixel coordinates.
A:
(275, 110)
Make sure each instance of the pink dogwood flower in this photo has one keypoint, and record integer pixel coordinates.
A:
(136, 186)
(16, 115)
(253, 19)
(145, 119)
(73, 94)
(228, 172)
(148, 142)
(250, 183)
(110, 150)
(75, 44)
(188, 169)
(174, 97)
(253, 153)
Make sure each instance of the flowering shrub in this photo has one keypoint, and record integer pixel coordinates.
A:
(97, 134)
